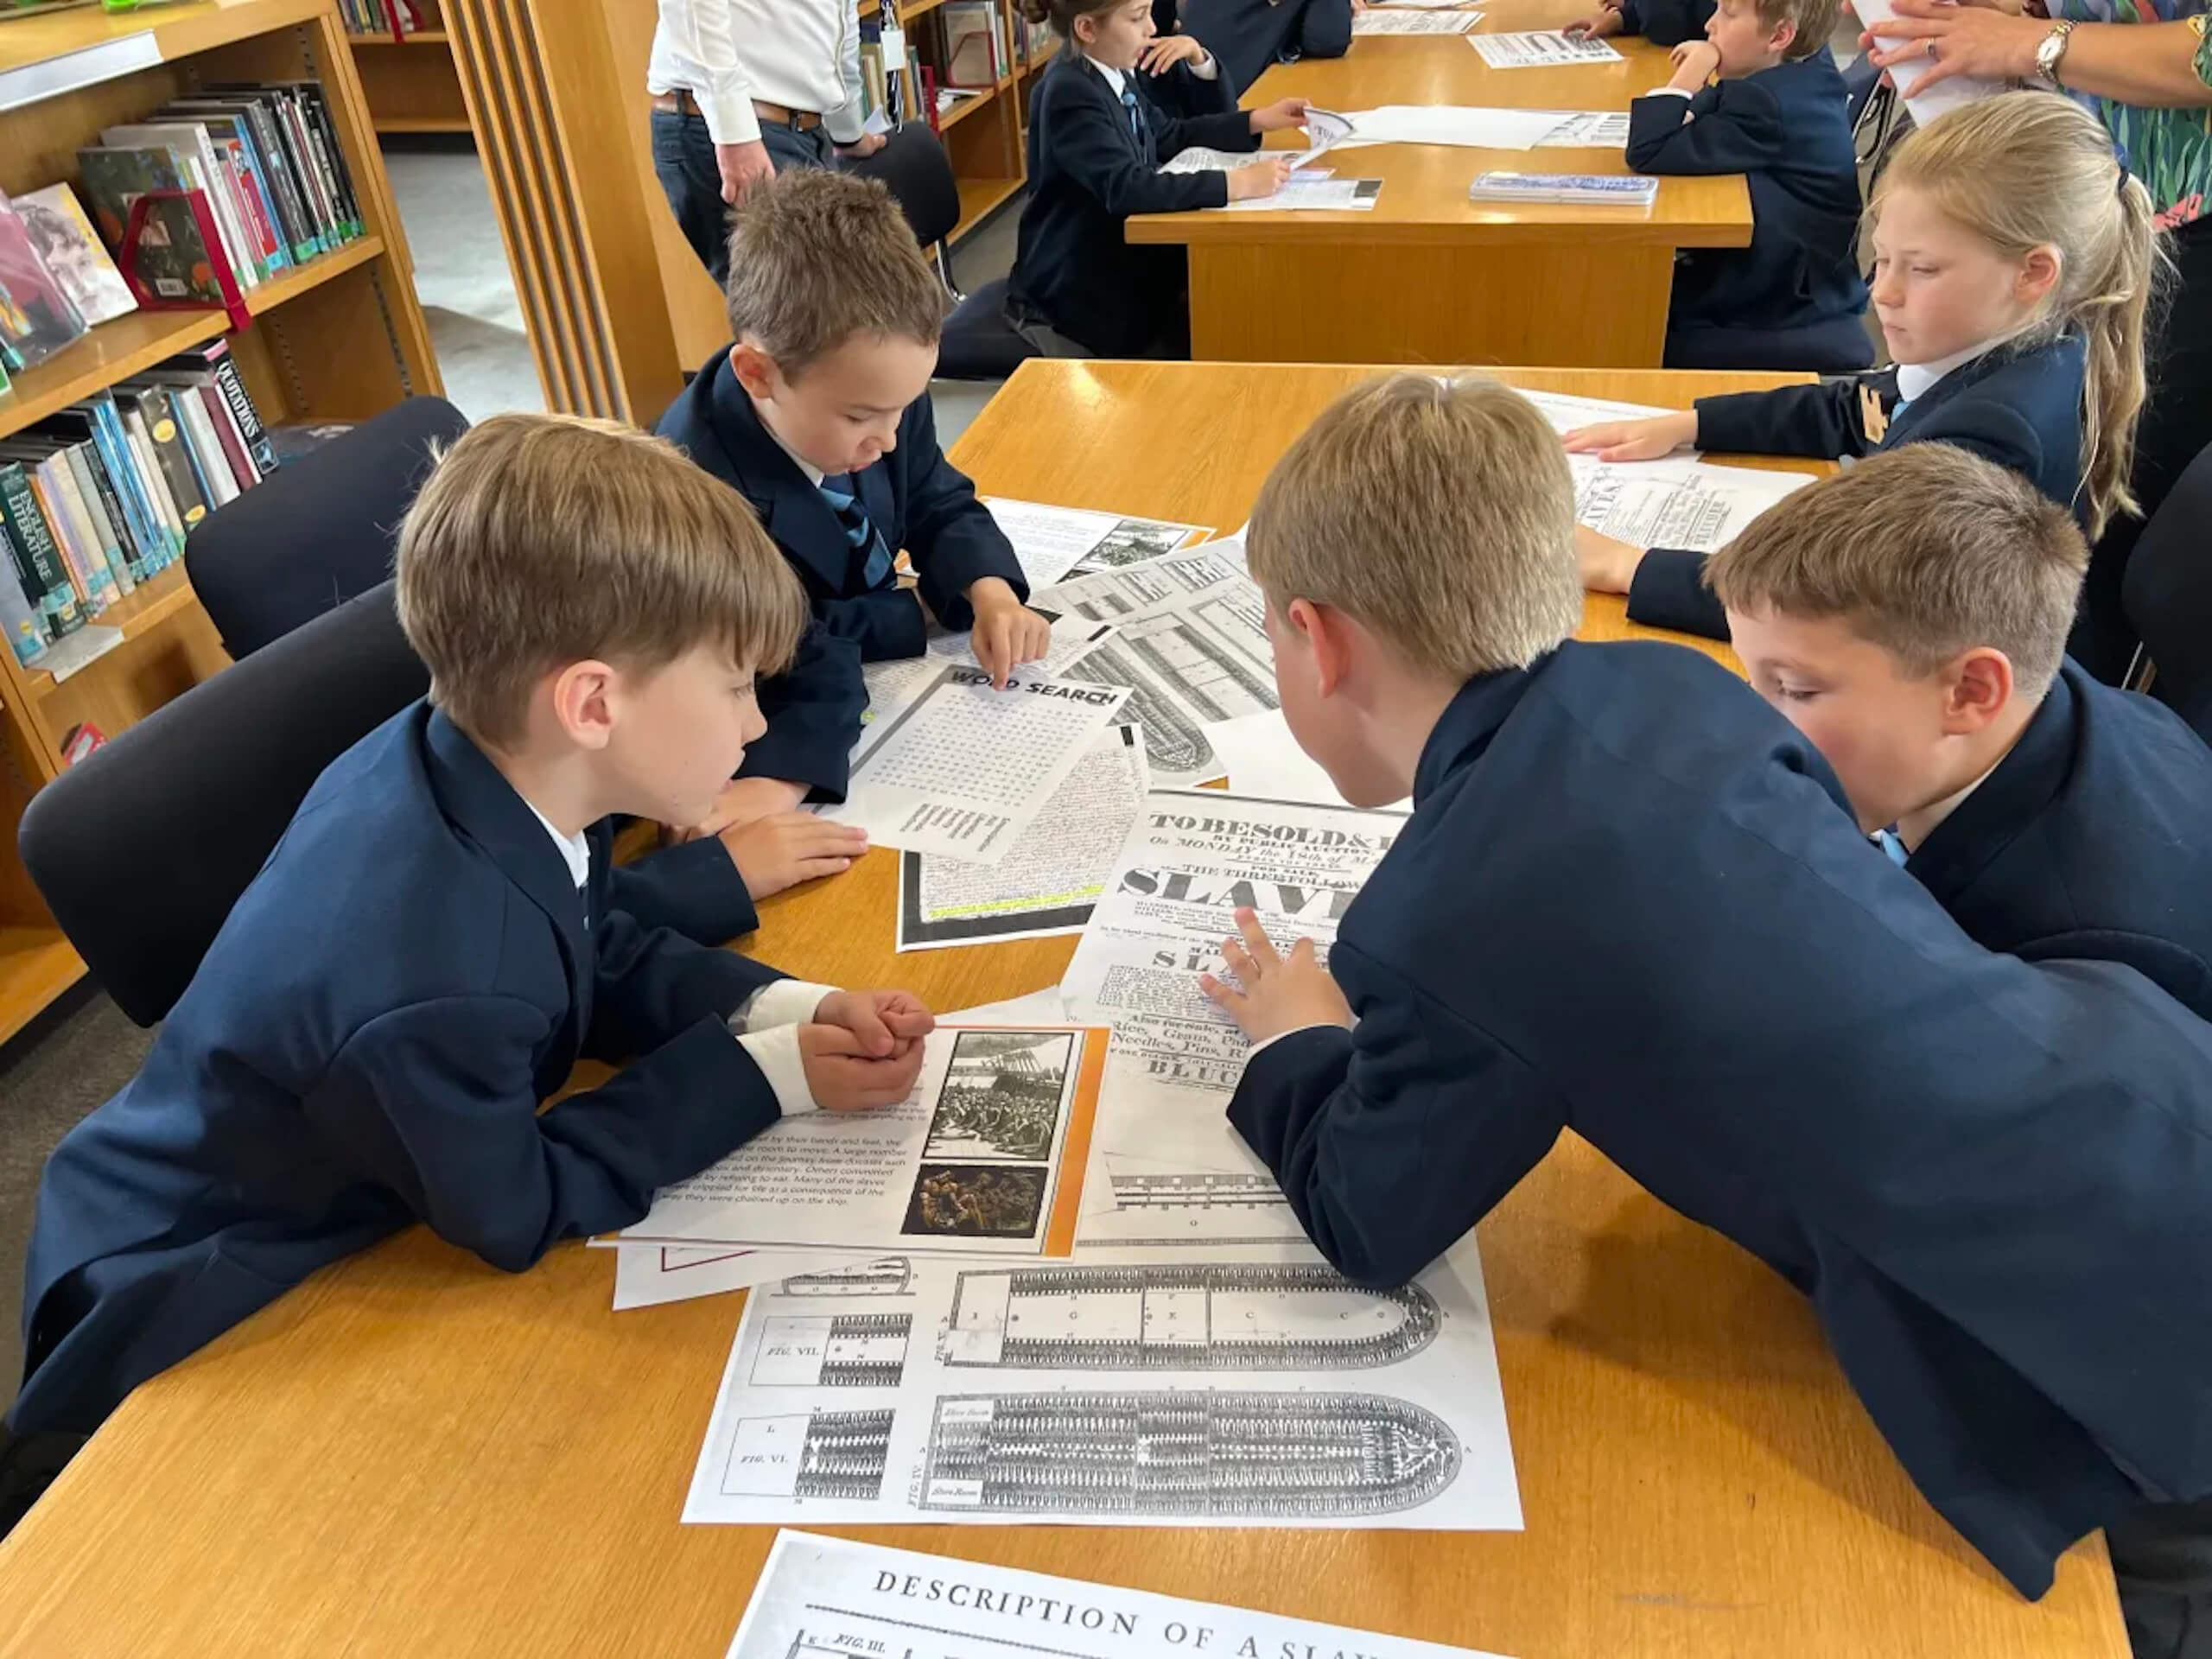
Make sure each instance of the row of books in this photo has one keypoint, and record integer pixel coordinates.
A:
(97, 497)
(234, 186)
(400, 17)
(970, 52)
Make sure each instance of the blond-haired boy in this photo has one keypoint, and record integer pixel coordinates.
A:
(1910, 616)
(819, 415)
(430, 950)
(1629, 902)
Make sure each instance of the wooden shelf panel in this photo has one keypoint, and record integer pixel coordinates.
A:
(980, 197)
(139, 611)
(422, 124)
(985, 96)
(36, 965)
(112, 351)
(113, 44)
(297, 281)
(420, 37)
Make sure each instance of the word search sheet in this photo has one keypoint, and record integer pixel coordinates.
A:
(1541, 49)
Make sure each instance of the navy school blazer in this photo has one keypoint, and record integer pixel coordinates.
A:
(917, 498)
(2088, 840)
(365, 1045)
(1248, 35)
(1786, 128)
(1667, 22)
(2020, 407)
(1087, 173)
(1629, 902)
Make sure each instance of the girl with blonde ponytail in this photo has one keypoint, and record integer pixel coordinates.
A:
(2015, 261)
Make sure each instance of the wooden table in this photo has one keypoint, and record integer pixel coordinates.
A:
(414, 1454)
(1429, 277)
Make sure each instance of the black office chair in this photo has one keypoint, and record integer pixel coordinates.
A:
(2167, 594)
(979, 343)
(319, 529)
(914, 167)
(141, 848)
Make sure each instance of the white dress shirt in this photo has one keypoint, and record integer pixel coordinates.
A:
(765, 1024)
(1915, 378)
(802, 54)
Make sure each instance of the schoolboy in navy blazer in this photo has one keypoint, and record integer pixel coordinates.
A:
(1249, 35)
(1631, 901)
(916, 498)
(1093, 162)
(2019, 407)
(1777, 115)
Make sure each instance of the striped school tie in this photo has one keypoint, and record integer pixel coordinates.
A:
(1136, 115)
(1892, 846)
(859, 530)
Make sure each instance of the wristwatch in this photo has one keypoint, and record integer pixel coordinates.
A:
(2051, 52)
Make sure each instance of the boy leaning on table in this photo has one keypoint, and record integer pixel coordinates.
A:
(430, 949)
(1631, 901)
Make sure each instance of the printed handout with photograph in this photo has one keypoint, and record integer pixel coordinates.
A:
(1308, 195)
(1539, 49)
(963, 769)
(1165, 1166)
(894, 683)
(836, 1598)
(1190, 645)
(1052, 542)
(647, 1275)
(1052, 874)
(1675, 502)
(986, 1154)
(1382, 20)
(1255, 1387)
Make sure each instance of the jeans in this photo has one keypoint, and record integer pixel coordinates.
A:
(683, 160)
(2162, 1555)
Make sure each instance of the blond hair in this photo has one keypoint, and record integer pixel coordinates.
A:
(543, 540)
(1815, 21)
(816, 258)
(2021, 170)
(1926, 550)
(1438, 513)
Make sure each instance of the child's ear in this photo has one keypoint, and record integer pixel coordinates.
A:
(754, 369)
(1784, 36)
(1980, 690)
(583, 703)
(1327, 634)
(2039, 274)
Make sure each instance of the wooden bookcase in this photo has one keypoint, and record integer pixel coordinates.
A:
(337, 338)
(986, 137)
(410, 81)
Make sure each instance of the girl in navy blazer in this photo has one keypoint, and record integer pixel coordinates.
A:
(2013, 257)
(1097, 142)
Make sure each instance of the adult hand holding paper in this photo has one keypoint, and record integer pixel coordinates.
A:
(1941, 56)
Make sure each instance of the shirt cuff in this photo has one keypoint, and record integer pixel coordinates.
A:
(1668, 91)
(783, 1002)
(1205, 68)
(845, 126)
(1319, 1025)
(729, 116)
(776, 1053)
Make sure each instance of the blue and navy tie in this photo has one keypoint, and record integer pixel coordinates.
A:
(1136, 115)
(1887, 839)
(859, 530)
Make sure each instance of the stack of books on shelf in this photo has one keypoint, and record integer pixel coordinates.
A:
(895, 84)
(395, 17)
(1033, 43)
(972, 37)
(97, 497)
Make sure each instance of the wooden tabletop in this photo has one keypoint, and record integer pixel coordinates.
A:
(414, 1454)
(1424, 196)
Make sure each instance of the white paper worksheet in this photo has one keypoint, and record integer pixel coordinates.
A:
(1382, 20)
(1541, 49)
(1262, 758)
(1047, 883)
(1313, 195)
(1589, 129)
(1675, 502)
(1466, 125)
(1253, 1389)
(837, 1598)
(1051, 541)
(963, 769)
(1940, 100)
(648, 1275)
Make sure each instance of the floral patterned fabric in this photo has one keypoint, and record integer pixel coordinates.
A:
(2171, 151)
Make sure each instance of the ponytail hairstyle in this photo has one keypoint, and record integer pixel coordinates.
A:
(2025, 170)
(1062, 14)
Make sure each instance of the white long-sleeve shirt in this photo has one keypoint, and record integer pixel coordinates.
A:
(802, 54)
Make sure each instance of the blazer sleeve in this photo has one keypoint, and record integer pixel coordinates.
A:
(1091, 146)
(1820, 420)
(881, 625)
(437, 1102)
(1181, 95)
(951, 536)
(813, 709)
(647, 987)
(1668, 591)
(693, 889)
(1733, 128)
(1358, 1126)
(1667, 22)
(1997, 432)
(1232, 129)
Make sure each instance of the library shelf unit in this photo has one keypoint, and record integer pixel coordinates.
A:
(337, 338)
(410, 81)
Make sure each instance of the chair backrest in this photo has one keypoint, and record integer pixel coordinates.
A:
(2167, 594)
(141, 848)
(319, 529)
(914, 168)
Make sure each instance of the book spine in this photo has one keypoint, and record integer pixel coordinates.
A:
(260, 243)
(168, 439)
(146, 527)
(228, 436)
(220, 192)
(67, 536)
(275, 241)
(210, 465)
(311, 170)
(225, 368)
(83, 508)
(277, 166)
(19, 612)
(41, 565)
(158, 486)
(334, 158)
(106, 513)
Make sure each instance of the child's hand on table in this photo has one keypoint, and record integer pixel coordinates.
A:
(785, 848)
(886, 1024)
(843, 1077)
(1262, 178)
(742, 800)
(1608, 565)
(1006, 632)
(1645, 439)
(1605, 21)
(1280, 992)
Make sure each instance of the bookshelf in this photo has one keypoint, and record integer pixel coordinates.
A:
(410, 81)
(984, 137)
(338, 338)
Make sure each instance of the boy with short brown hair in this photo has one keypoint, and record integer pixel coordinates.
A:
(819, 415)
(1628, 902)
(1910, 616)
(430, 950)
